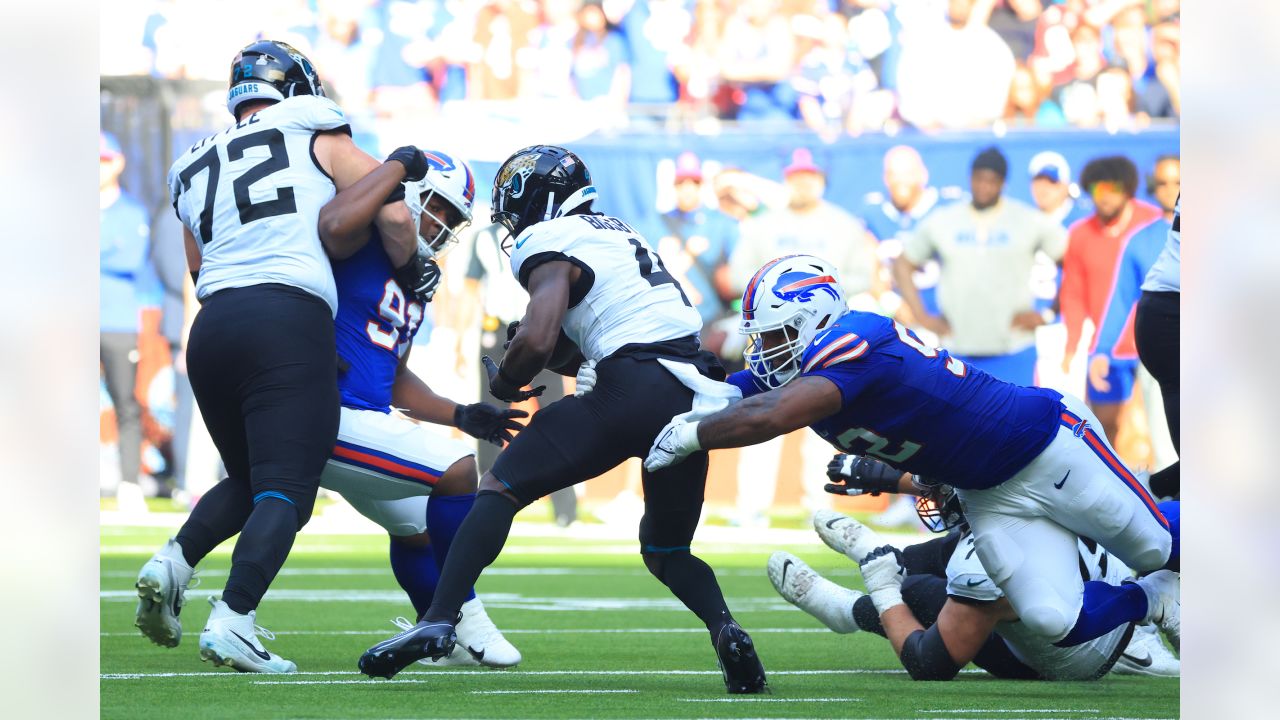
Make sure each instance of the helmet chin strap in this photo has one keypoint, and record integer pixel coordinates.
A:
(576, 199)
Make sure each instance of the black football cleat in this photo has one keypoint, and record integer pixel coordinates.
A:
(425, 640)
(736, 655)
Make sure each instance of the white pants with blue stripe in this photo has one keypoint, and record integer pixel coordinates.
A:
(386, 465)
(1025, 529)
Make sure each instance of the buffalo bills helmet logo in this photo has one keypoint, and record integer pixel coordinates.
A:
(797, 286)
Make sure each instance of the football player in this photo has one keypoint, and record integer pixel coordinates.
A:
(261, 355)
(951, 599)
(385, 465)
(588, 275)
(1029, 464)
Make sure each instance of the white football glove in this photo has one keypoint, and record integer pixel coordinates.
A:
(677, 441)
(883, 577)
(585, 381)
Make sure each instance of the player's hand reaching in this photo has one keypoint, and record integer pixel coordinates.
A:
(419, 277)
(512, 328)
(585, 381)
(678, 440)
(415, 163)
(503, 387)
(855, 474)
(487, 422)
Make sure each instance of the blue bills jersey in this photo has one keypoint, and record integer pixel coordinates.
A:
(374, 327)
(920, 409)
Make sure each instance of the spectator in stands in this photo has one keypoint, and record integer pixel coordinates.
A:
(735, 196)
(987, 250)
(502, 32)
(600, 68)
(956, 75)
(1088, 273)
(892, 216)
(398, 75)
(124, 239)
(1013, 20)
(1029, 103)
(1051, 189)
(654, 31)
(1163, 98)
(1136, 259)
(756, 56)
(1078, 95)
(807, 225)
(695, 244)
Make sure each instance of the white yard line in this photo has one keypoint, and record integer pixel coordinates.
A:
(335, 682)
(485, 673)
(1008, 710)
(533, 631)
(767, 700)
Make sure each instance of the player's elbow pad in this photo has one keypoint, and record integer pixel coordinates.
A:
(925, 656)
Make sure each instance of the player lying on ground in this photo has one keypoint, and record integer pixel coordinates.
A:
(1028, 463)
(385, 464)
(261, 356)
(595, 280)
(952, 613)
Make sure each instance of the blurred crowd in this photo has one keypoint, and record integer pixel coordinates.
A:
(838, 66)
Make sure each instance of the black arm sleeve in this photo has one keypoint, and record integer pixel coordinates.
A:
(926, 658)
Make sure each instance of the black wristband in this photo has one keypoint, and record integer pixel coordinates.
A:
(457, 415)
(396, 195)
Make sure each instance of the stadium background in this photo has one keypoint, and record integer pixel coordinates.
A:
(431, 73)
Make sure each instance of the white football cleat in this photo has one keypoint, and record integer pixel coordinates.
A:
(478, 636)
(162, 585)
(229, 639)
(1164, 603)
(1147, 655)
(458, 658)
(803, 587)
(846, 535)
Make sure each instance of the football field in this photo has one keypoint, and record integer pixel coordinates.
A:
(600, 637)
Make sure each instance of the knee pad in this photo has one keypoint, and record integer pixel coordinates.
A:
(1000, 555)
(301, 505)
(1047, 621)
(1152, 555)
(1109, 512)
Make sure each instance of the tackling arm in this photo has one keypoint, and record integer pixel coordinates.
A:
(416, 399)
(804, 401)
(534, 343)
(345, 220)
(347, 165)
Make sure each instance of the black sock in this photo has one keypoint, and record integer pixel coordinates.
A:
(478, 542)
(221, 513)
(694, 583)
(866, 615)
(260, 552)
(1165, 484)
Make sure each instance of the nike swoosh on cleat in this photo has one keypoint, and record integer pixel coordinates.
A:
(256, 651)
(479, 654)
(1058, 485)
(831, 524)
(1139, 661)
(785, 566)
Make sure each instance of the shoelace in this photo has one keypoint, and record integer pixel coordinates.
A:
(402, 622)
(257, 629)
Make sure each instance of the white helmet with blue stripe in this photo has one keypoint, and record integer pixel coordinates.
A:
(796, 296)
(451, 179)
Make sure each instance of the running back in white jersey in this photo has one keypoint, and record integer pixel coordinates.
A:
(626, 294)
(251, 195)
(967, 578)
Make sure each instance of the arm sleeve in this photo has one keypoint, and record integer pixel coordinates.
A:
(1124, 294)
(1071, 297)
(746, 382)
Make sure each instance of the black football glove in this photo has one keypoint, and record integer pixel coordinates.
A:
(503, 388)
(856, 474)
(414, 162)
(487, 422)
(419, 277)
(511, 333)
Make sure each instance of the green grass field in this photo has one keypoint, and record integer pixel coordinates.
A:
(600, 638)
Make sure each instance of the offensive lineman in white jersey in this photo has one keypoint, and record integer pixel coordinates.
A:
(261, 353)
(596, 284)
(949, 594)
